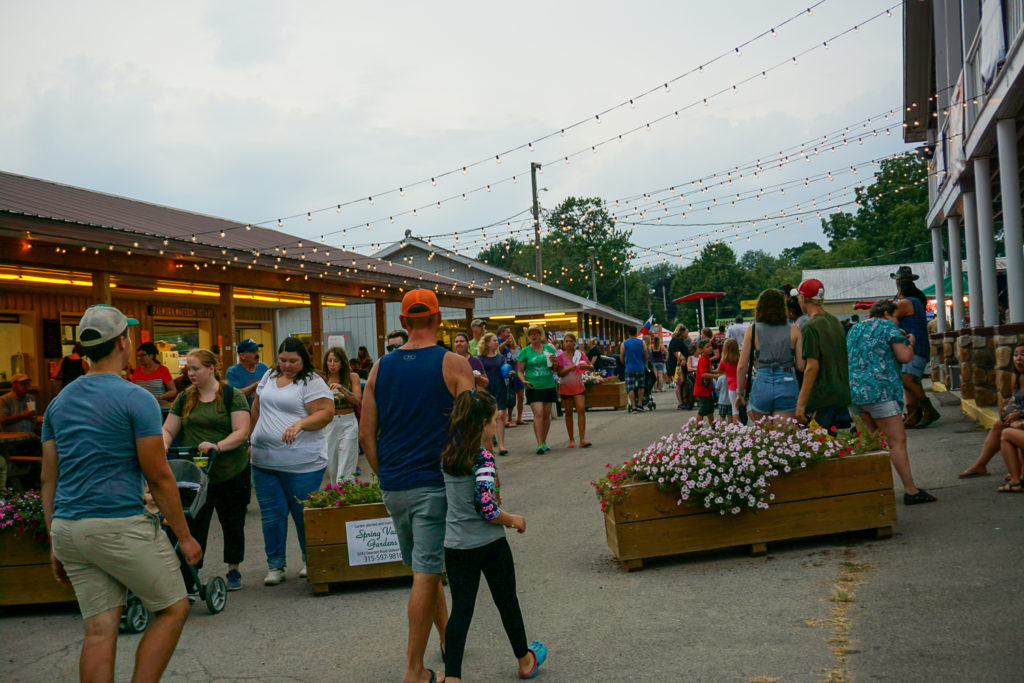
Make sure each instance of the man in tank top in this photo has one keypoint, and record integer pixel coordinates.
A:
(405, 409)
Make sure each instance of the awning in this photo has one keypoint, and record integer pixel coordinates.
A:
(947, 284)
(698, 295)
(862, 305)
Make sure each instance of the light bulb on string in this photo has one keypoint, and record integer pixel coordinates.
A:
(309, 216)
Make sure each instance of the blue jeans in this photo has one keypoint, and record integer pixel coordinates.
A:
(278, 494)
(774, 390)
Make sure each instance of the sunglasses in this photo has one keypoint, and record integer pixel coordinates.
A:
(391, 347)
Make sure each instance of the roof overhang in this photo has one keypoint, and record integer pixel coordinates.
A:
(918, 71)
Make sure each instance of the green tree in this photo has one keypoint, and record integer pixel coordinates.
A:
(511, 255)
(891, 213)
(715, 270)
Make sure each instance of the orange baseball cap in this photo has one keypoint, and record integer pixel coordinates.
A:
(418, 303)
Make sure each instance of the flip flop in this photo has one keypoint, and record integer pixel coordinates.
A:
(968, 474)
(585, 444)
(1010, 487)
(540, 654)
(572, 444)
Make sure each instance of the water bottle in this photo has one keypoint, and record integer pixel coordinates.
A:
(30, 404)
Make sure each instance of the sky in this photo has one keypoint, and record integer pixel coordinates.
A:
(258, 111)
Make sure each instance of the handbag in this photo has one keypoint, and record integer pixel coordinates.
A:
(748, 380)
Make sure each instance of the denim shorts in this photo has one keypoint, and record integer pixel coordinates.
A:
(915, 367)
(419, 517)
(774, 390)
(660, 367)
(880, 410)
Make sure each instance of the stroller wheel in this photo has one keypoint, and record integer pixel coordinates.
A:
(136, 616)
(216, 594)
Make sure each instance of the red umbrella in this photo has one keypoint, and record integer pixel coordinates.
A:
(699, 296)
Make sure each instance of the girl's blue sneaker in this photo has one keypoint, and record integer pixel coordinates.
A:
(540, 653)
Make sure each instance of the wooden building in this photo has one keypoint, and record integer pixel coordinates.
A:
(516, 300)
(191, 280)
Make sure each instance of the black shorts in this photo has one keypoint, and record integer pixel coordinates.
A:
(705, 405)
(541, 395)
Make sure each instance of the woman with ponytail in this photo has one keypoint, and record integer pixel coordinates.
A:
(217, 425)
(474, 541)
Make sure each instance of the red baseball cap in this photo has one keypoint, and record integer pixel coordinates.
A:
(810, 289)
(422, 300)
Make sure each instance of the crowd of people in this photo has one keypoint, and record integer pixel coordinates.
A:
(431, 423)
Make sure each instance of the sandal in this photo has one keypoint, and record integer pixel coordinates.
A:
(1010, 487)
(585, 444)
(540, 653)
(921, 496)
(572, 444)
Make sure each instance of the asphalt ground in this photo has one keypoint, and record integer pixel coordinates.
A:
(939, 601)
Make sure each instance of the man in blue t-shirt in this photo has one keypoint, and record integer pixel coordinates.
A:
(101, 443)
(633, 354)
(249, 370)
(406, 403)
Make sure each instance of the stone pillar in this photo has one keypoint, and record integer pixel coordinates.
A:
(956, 273)
(1009, 183)
(1006, 338)
(986, 244)
(966, 367)
(974, 292)
(940, 290)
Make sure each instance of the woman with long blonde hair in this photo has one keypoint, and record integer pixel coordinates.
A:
(217, 425)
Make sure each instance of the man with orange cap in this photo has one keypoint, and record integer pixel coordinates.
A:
(406, 403)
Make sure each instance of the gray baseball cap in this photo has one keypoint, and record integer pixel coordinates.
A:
(101, 323)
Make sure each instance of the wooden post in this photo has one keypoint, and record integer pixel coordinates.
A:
(316, 327)
(581, 330)
(469, 319)
(226, 327)
(101, 287)
(382, 322)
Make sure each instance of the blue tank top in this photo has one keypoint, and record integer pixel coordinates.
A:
(917, 325)
(634, 354)
(413, 406)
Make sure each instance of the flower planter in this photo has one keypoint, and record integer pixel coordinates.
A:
(852, 493)
(606, 395)
(26, 577)
(327, 547)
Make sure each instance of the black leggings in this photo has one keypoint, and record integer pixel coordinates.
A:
(229, 498)
(464, 568)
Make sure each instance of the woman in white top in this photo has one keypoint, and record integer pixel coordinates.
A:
(343, 432)
(289, 448)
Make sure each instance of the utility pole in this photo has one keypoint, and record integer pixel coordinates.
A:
(649, 292)
(623, 291)
(593, 273)
(534, 166)
(664, 302)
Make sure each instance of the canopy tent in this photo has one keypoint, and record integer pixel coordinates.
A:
(699, 296)
(947, 285)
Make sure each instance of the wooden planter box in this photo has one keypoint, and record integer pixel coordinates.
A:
(327, 547)
(26, 577)
(853, 493)
(607, 395)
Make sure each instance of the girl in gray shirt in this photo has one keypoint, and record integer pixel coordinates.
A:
(475, 541)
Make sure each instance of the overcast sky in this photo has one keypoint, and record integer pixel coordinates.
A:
(255, 110)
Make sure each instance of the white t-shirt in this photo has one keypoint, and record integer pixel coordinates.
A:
(280, 408)
(736, 331)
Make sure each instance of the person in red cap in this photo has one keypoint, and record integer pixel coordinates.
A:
(406, 405)
(825, 393)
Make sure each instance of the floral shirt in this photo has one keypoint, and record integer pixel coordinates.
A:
(874, 370)
(472, 504)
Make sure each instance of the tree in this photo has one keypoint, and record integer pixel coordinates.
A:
(890, 218)
(511, 255)
(715, 270)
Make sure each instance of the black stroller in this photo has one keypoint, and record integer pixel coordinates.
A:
(650, 379)
(192, 484)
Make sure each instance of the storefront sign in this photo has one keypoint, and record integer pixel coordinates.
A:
(748, 304)
(179, 312)
(372, 541)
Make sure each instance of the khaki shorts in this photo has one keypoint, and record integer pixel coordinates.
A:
(104, 556)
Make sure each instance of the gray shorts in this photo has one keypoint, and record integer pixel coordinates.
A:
(419, 517)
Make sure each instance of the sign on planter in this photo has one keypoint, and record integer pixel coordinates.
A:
(372, 541)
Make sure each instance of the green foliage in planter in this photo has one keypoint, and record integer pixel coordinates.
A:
(354, 492)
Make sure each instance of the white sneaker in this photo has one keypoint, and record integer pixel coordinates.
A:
(274, 577)
(302, 572)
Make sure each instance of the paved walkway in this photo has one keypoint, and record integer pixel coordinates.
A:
(937, 602)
